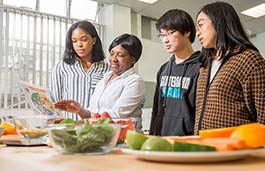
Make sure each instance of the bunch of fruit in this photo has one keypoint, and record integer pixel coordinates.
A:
(139, 141)
(223, 139)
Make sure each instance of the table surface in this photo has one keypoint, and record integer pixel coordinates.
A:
(44, 158)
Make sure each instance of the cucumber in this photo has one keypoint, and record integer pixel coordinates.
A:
(189, 147)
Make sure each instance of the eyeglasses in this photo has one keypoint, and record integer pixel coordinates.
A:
(168, 35)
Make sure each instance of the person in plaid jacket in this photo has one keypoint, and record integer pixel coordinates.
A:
(231, 85)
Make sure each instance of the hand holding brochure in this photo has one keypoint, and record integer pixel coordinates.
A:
(41, 100)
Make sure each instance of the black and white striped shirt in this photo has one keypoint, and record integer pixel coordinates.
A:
(72, 82)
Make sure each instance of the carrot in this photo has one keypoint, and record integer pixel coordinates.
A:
(220, 144)
(215, 133)
(225, 144)
(183, 138)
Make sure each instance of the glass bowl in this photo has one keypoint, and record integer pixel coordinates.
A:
(32, 127)
(83, 138)
(2, 130)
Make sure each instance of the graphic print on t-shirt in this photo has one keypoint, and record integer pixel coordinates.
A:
(172, 86)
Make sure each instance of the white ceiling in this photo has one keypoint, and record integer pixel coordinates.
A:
(155, 10)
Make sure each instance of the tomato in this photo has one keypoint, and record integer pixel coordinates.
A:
(127, 125)
(95, 115)
(105, 115)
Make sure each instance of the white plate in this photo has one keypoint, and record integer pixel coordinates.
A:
(188, 157)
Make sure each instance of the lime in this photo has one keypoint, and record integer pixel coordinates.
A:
(67, 121)
(156, 144)
(135, 139)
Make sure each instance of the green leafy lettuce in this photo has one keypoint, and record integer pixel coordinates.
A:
(83, 138)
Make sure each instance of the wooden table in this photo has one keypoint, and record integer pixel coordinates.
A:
(44, 158)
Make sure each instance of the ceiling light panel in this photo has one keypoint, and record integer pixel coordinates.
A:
(256, 11)
(148, 1)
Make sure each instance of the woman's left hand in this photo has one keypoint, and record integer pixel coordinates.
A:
(68, 106)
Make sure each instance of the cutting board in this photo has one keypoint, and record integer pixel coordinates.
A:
(16, 140)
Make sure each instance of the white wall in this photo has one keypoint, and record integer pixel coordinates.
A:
(154, 55)
(258, 41)
(117, 21)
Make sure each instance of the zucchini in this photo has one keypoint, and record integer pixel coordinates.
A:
(190, 147)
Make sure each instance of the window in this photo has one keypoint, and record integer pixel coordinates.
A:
(148, 29)
(56, 7)
(84, 9)
(21, 3)
(31, 43)
(80, 9)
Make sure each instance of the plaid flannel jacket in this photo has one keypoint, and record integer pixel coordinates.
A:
(235, 96)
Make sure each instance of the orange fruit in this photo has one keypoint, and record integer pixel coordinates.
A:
(9, 128)
(253, 134)
(217, 133)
